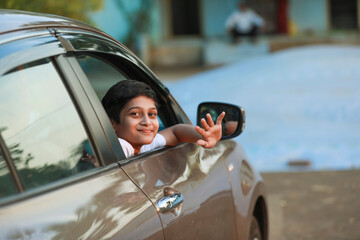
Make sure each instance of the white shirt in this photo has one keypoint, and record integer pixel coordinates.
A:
(159, 141)
(243, 21)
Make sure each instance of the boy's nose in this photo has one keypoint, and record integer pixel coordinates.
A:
(145, 120)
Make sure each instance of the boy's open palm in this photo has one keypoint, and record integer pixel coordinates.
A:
(211, 133)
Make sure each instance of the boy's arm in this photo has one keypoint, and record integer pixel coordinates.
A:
(207, 136)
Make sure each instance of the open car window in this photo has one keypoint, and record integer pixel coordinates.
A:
(103, 74)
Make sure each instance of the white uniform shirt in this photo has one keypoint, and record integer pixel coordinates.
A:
(159, 141)
(243, 21)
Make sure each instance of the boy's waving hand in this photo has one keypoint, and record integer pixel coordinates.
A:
(211, 133)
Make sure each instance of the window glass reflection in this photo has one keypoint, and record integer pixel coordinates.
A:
(7, 186)
(40, 125)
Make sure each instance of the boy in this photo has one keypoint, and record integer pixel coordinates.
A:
(132, 109)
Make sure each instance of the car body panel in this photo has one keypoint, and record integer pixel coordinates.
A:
(95, 209)
(200, 176)
(245, 184)
(221, 191)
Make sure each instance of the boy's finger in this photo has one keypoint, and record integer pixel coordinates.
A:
(204, 124)
(201, 143)
(220, 118)
(200, 130)
(209, 120)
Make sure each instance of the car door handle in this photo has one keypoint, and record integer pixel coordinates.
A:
(170, 202)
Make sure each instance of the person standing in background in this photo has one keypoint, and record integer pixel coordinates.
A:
(244, 22)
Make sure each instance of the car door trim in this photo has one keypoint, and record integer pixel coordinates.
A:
(14, 36)
(29, 55)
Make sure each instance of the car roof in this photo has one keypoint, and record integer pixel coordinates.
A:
(16, 20)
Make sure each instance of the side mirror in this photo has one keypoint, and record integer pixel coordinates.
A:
(234, 121)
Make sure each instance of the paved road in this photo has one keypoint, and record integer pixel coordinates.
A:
(314, 205)
(300, 104)
(303, 205)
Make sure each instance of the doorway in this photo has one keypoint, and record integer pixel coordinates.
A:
(344, 14)
(185, 17)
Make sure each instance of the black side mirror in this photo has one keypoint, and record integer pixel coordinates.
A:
(234, 121)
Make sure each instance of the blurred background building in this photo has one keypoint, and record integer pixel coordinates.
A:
(173, 33)
(183, 33)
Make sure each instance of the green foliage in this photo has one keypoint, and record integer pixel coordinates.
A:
(138, 18)
(76, 9)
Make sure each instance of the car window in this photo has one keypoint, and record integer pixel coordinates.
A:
(7, 185)
(102, 75)
(40, 125)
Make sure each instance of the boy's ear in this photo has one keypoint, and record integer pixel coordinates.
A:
(113, 123)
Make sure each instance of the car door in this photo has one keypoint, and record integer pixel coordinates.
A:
(199, 175)
(47, 126)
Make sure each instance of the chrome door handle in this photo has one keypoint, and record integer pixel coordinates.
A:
(170, 202)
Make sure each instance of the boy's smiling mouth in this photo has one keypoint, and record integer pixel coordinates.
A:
(146, 131)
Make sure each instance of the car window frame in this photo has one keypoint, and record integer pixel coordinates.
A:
(102, 45)
(164, 100)
(119, 57)
(116, 63)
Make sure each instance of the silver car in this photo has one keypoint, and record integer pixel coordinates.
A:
(53, 73)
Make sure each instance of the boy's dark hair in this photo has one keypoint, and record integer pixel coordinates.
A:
(121, 93)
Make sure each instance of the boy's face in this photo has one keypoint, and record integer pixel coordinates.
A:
(138, 122)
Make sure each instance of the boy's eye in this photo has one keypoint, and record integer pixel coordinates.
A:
(135, 114)
(153, 114)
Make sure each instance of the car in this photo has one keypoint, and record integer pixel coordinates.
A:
(54, 72)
